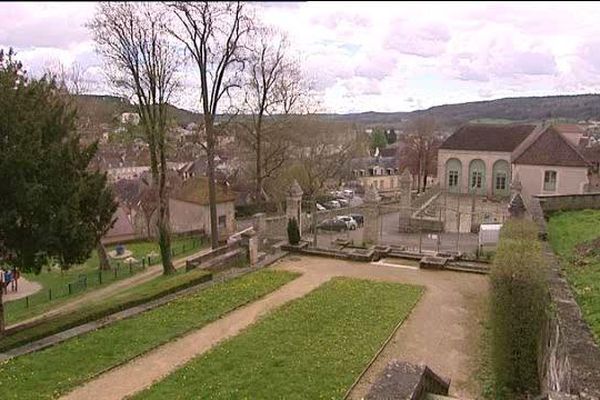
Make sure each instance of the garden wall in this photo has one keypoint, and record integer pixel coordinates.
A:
(570, 362)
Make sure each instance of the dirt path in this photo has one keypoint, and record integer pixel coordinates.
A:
(99, 294)
(26, 288)
(142, 372)
(442, 331)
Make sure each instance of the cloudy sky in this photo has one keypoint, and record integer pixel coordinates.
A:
(379, 56)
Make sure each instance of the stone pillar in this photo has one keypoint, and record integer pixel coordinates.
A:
(250, 241)
(260, 224)
(405, 201)
(293, 204)
(516, 207)
(372, 224)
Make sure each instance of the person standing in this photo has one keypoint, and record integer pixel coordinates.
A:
(7, 280)
(16, 274)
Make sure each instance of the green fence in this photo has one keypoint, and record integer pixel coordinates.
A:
(90, 279)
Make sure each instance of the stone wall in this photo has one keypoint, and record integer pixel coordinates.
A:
(570, 360)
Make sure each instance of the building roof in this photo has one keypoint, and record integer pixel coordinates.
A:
(370, 162)
(196, 191)
(488, 137)
(551, 148)
(122, 225)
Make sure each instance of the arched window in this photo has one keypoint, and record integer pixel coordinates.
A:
(453, 175)
(477, 177)
(501, 178)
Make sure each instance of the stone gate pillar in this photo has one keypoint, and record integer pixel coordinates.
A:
(405, 201)
(372, 224)
(293, 204)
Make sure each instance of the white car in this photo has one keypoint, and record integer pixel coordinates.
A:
(348, 193)
(320, 207)
(350, 222)
(343, 202)
(333, 204)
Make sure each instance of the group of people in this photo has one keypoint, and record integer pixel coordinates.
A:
(9, 278)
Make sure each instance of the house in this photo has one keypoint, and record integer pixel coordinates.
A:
(485, 158)
(379, 172)
(189, 208)
(130, 118)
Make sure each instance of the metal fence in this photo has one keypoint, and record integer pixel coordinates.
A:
(90, 279)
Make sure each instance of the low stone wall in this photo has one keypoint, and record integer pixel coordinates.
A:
(559, 202)
(570, 360)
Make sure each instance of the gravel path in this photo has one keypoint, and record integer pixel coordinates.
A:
(442, 331)
(26, 288)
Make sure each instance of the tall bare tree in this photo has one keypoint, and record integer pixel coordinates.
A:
(419, 153)
(273, 90)
(213, 33)
(142, 62)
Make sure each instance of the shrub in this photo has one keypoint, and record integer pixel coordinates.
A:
(293, 232)
(519, 305)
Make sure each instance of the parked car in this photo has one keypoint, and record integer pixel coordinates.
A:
(343, 202)
(349, 221)
(320, 207)
(349, 193)
(359, 218)
(333, 225)
(333, 204)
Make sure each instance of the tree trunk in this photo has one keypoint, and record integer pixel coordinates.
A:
(102, 257)
(424, 181)
(2, 326)
(164, 223)
(259, 178)
(212, 195)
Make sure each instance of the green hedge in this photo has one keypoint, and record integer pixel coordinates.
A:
(146, 292)
(519, 306)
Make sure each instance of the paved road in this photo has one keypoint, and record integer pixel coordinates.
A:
(442, 331)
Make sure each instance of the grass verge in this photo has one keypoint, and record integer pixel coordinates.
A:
(567, 230)
(56, 370)
(311, 348)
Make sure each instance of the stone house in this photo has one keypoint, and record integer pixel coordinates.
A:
(486, 158)
(379, 172)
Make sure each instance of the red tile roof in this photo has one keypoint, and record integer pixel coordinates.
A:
(551, 148)
(488, 137)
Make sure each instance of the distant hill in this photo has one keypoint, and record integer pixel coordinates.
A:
(105, 109)
(98, 110)
(575, 107)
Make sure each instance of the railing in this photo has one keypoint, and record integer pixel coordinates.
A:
(89, 279)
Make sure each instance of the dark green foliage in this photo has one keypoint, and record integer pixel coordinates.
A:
(51, 205)
(248, 210)
(519, 305)
(378, 139)
(293, 232)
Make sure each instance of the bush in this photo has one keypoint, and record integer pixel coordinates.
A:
(293, 232)
(519, 305)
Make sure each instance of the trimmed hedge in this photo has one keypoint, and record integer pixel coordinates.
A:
(293, 232)
(50, 326)
(519, 307)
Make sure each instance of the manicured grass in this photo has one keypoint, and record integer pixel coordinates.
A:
(566, 230)
(311, 348)
(142, 293)
(58, 281)
(54, 371)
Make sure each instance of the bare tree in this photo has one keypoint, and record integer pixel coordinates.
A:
(71, 78)
(213, 34)
(419, 153)
(273, 90)
(142, 62)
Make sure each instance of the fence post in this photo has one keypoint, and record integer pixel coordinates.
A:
(70, 289)
(27, 301)
(85, 282)
(116, 271)
(100, 276)
(50, 293)
(143, 262)
(149, 263)
(130, 272)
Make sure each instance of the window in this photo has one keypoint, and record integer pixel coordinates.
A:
(453, 178)
(222, 221)
(500, 181)
(476, 179)
(550, 181)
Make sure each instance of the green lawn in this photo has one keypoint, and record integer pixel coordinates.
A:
(311, 348)
(58, 280)
(56, 370)
(565, 231)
